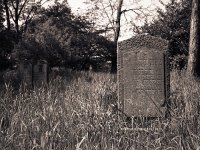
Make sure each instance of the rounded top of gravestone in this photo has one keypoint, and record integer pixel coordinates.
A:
(25, 61)
(42, 61)
(143, 40)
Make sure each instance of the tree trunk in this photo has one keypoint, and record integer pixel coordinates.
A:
(5, 2)
(193, 68)
(114, 60)
(17, 20)
(116, 37)
(118, 19)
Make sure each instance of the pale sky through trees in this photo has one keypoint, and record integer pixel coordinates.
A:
(76, 4)
(78, 7)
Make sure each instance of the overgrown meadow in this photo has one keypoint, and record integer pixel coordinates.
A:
(78, 111)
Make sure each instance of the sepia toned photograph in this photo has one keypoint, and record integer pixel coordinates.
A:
(99, 75)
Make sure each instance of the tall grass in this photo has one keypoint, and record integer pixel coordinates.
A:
(76, 112)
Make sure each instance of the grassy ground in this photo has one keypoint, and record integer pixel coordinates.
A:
(76, 112)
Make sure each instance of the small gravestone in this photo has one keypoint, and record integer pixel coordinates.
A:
(143, 76)
(40, 73)
(26, 73)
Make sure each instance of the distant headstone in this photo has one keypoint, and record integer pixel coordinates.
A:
(34, 74)
(143, 76)
(40, 73)
(26, 73)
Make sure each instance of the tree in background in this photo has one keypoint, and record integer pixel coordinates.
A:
(1, 15)
(193, 67)
(6, 38)
(16, 15)
(62, 38)
(19, 13)
(173, 24)
(111, 13)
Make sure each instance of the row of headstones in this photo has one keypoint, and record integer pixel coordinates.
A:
(143, 76)
(34, 74)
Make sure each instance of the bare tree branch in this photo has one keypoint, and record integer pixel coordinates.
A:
(12, 3)
(5, 2)
(11, 14)
(22, 7)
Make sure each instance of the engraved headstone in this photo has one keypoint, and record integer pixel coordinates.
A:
(143, 76)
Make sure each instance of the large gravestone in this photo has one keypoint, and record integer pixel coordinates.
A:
(143, 76)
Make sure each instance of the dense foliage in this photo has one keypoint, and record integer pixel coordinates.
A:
(6, 38)
(64, 39)
(173, 24)
(53, 33)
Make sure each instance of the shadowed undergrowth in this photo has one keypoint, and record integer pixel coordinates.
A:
(77, 113)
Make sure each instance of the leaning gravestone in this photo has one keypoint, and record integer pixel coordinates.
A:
(143, 76)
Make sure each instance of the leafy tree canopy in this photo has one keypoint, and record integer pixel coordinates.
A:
(61, 38)
(6, 38)
(173, 24)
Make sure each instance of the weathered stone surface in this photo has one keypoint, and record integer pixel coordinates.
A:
(143, 76)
